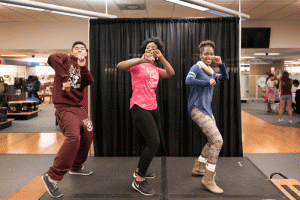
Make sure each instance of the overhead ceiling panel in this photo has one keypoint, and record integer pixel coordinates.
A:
(251, 1)
(16, 14)
(78, 4)
(294, 17)
(245, 8)
(40, 16)
(205, 14)
(100, 6)
(46, 1)
(284, 12)
(5, 19)
(221, 1)
(279, 1)
(158, 9)
(263, 10)
(134, 13)
(66, 18)
(226, 5)
(182, 11)
(129, 2)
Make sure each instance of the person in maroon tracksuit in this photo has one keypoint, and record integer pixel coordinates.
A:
(71, 77)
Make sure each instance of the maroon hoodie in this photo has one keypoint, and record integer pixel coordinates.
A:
(67, 69)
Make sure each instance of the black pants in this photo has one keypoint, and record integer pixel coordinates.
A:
(147, 122)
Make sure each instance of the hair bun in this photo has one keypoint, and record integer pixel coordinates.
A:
(207, 42)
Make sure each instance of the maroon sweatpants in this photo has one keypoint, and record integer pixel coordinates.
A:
(78, 130)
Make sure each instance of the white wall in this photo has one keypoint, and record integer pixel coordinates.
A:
(13, 71)
(284, 33)
(42, 35)
(30, 71)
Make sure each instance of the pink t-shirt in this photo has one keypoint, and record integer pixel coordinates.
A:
(144, 78)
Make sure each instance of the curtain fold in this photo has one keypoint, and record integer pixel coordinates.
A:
(115, 40)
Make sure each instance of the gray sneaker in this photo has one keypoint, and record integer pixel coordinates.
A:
(82, 171)
(51, 187)
(142, 187)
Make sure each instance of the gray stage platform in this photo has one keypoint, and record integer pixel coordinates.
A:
(112, 179)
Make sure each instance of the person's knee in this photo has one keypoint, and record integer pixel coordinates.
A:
(154, 144)
(218, 142)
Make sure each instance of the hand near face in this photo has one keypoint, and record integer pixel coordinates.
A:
(147, 58)
(217, 60)
(156, 53)
(212, 81)
(81, 60)
(66, 86)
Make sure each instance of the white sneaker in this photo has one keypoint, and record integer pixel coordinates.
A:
(280, 120)
(290, 121)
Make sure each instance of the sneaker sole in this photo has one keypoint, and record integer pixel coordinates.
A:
(134, 176)
(48, 189)
(80, 173)
(139, 190)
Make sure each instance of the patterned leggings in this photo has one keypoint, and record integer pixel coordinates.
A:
(208, 126)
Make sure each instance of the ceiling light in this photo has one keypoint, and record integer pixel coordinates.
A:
(267, 54)
(260, 54)
(132, 7)
(69, 14)
(188, 5)
(210, 7)
(288, 61)
(218, 13)
(25, 7)
(56, 8)
(13, 55)
(247, 57)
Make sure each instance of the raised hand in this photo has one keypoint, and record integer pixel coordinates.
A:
(147, 58)
(156, 53)
(217, 60)
(212, 81)
(81, 60)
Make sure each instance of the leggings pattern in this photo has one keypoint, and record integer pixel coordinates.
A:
(208, 126)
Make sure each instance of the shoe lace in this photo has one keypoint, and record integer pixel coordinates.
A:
(55, 185)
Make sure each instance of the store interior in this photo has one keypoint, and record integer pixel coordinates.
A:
(29, 128)
(19, 65)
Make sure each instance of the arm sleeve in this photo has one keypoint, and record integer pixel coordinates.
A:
(159, 70)
(191, 78)
(56, 61)
(86, 76)
(224, 74)
(133, 68)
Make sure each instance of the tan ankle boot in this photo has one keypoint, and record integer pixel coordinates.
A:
(199, 168)
(208, 181)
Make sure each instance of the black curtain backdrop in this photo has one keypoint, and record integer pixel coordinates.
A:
(115, 40)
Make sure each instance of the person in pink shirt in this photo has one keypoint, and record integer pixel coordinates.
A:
(143, 106)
